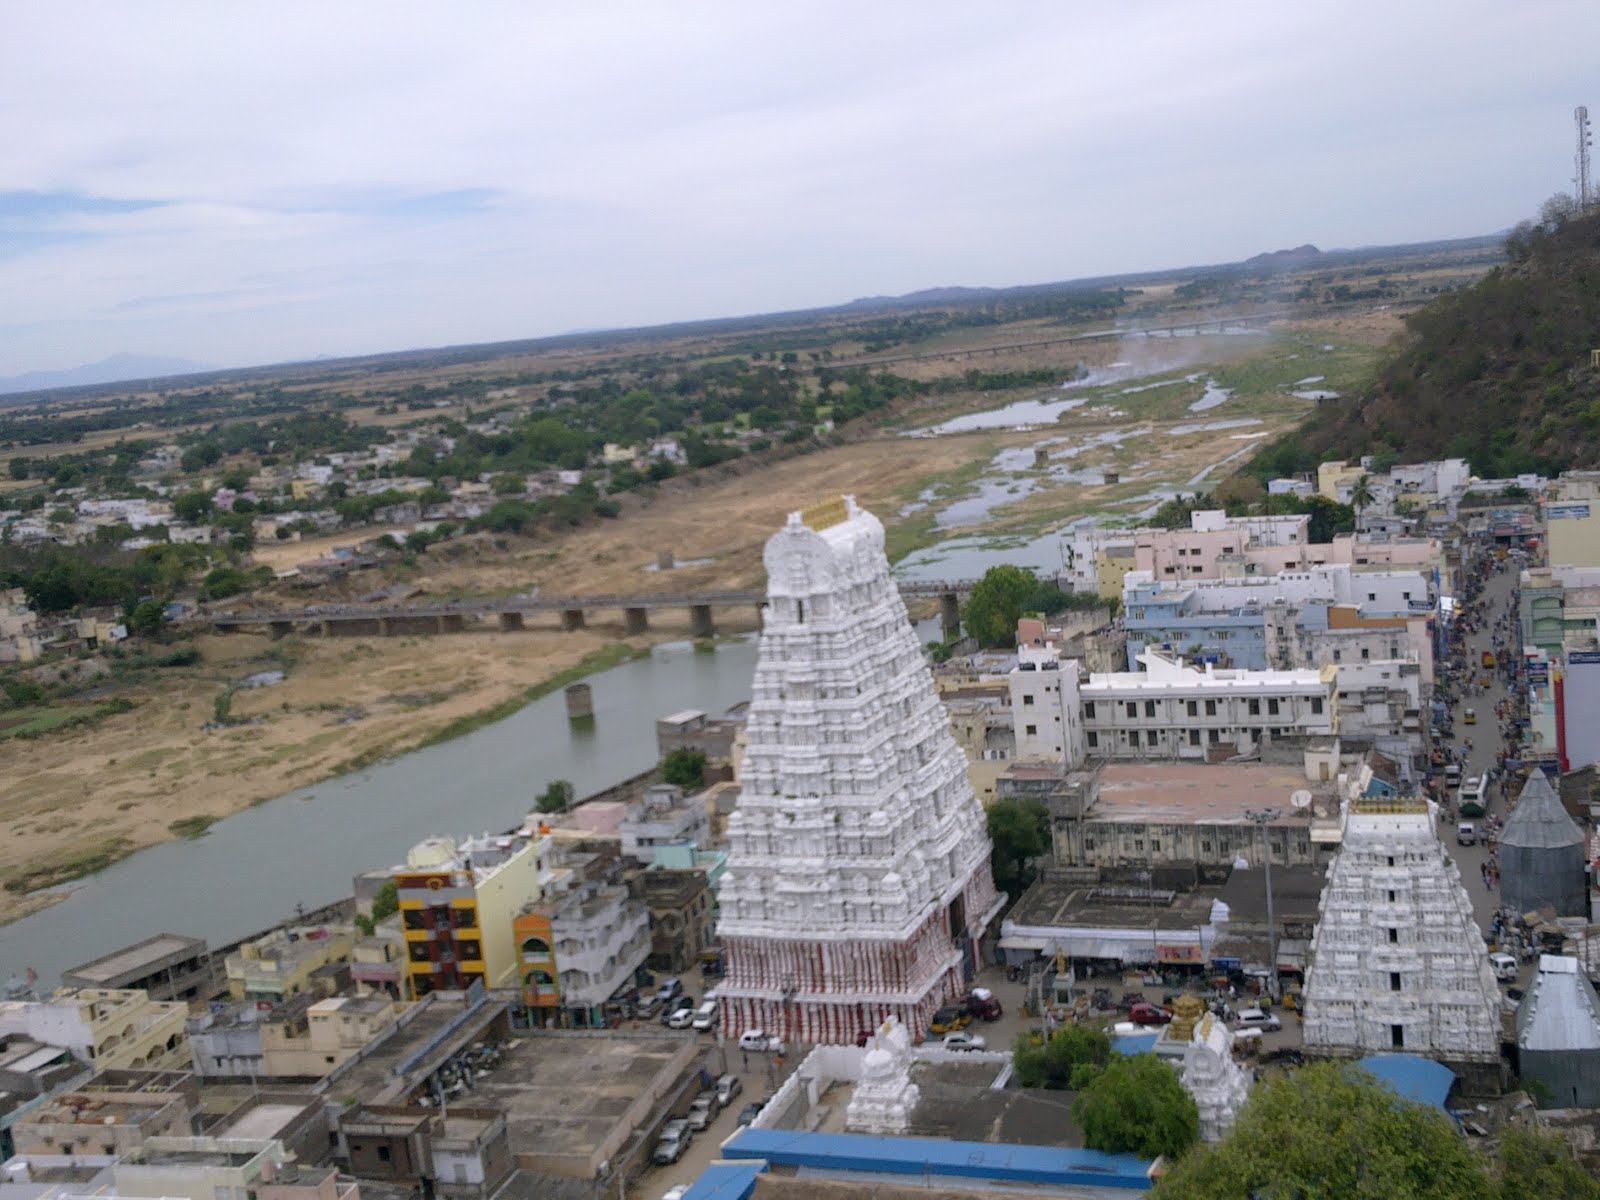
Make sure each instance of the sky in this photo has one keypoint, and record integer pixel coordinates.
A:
(247, 183)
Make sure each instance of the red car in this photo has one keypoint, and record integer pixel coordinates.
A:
(1149, 1014)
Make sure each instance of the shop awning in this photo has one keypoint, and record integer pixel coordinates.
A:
(1022, 943)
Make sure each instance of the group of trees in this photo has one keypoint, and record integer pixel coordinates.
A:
(1019, 833)
(1244, 496)
(1005, 594)
(1331, 1130)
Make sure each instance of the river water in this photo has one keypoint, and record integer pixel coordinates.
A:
(252, 869)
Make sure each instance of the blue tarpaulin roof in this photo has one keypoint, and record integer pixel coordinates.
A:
(1135, 1043)
(1419, 1080)
(725, 1181)
(927, 1159)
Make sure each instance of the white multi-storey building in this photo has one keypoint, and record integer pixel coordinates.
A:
(1172, 710)
(1046, 711)
(858, 882)
(1397, 960)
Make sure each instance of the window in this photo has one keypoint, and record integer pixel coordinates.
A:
(1316, 705)
(1094, 740)
(1214, 737)
(1394, 936)
(1088, 843)
(1027, 702)
(1088, 710)
(1391, 895)
(1338, 655)
(1193, 708)
(1205, 846)
(1391, 860)
(1031, 730)
(1397, 1037)
(1272, 708)
(1394, 981)
(1149, 708)
(1255, 708)
(1194, 737)
(1372, 595)
(383, 1154)
(1366, 654)
(1152, 736)
(1133, 709)
(1138, 843)
(1211, 708)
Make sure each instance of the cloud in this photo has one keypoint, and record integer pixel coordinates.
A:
(246, 183)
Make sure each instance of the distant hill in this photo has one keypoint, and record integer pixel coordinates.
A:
(118, 368)
(1284, 260)
(1497, 373)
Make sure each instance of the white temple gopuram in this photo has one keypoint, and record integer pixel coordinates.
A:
(858, 881)
(1397, 960)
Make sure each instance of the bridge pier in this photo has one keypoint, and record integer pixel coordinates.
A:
(636, 620)
(761, 617)
(280, 629)
(950, 616)
(571, 618)
(700, 622)
(452, 623)
(385, 629)
(510, 622)
(325, 628)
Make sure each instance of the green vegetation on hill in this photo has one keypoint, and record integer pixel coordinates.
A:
(1497, 373)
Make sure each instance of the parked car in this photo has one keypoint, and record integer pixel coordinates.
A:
(1149, 1014)
(727, 1088)
(1255, 1018)
(758, 1039)
(963, 1041)
(681, 1018)
(949, 1019)
(668, 988)
(702, 1110)
(705, 1017)
(678, 1004)
(1505, 967)
(674, 1141)
(748, 1113)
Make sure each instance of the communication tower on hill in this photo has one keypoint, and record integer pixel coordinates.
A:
(1586, 196)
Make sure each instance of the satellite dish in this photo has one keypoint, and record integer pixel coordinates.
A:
(1301, 798)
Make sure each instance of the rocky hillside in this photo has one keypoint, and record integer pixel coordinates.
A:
(1498, 372)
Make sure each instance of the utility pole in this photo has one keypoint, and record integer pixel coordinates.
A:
(1580, 160)
(1261, 817)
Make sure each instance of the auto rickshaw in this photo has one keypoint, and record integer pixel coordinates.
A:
(1470, 716)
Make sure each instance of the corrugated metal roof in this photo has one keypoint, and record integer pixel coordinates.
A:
(1539, 821)
(1561, 1010)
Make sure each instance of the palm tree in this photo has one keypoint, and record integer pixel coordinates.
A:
(1361, 494)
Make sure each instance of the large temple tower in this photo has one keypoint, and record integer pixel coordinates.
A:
(858, 882)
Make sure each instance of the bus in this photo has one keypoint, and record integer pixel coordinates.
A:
(1473, 799)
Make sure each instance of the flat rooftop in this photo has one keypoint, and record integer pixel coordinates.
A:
(263, 1122)
(1057, 905)
(571, 1090)
(369, 1079)
(136, 959)
(1199, 794)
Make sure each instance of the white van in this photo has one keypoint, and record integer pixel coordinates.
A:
(1466, 834)
(1505, 966)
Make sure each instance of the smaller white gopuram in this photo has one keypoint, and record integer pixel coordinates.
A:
(1218, 1084)
(884, 1096)
(1397, 960)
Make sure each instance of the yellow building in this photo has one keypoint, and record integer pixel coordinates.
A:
(305, 489)
(457, 904)
(108, 1027)
(334, 1030)
(1331, 476)
(1112, 562)
(283, 963)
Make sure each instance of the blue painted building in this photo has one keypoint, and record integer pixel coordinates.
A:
(1178, 622)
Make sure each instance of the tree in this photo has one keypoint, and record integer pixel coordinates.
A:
(1361, 494)
(147, 618)
(1538, 1164)
(1137, 1105)
(19, 468)
(1000, 597)
(1332, 1130)
(685, 768)
(1328, 517)
(555, 798)
(384, 905)
(1069, 1057)
(192, 507)
(1019, 832)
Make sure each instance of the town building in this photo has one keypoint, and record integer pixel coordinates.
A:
(858, 881)
(106, 1027)
(1380, 706)
(110, 1115)
(463, 1152)
(681, 908)
(290, 962)
(1572, 521)
(1558, 1034)
(1543, 855)
(168, 966)
(581, 946)
(1397, 960)
(1171, 710)
(303, 1038)
(457, 904)
(664, 816)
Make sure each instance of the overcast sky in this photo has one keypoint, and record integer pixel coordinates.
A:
(242, 183)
